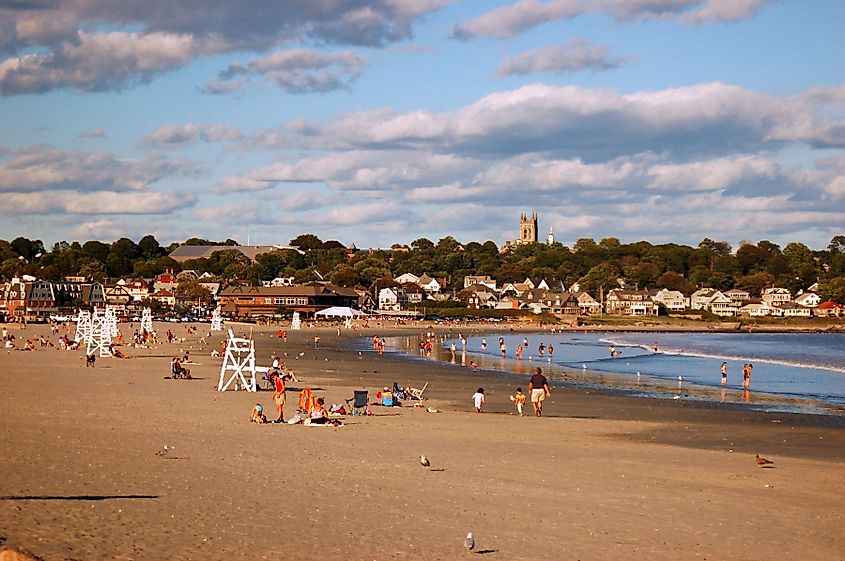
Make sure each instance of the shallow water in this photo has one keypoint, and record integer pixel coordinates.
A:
(799, 371)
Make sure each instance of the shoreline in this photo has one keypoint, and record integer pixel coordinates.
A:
(80, 477)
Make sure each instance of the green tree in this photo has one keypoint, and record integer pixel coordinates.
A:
(149, 247)
(306, 242)
(601, 277)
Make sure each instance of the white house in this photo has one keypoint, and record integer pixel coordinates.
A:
(699, 298)
(808, 300)
(775, 296)
(720, 305)
(429, 284)
(389, 299)
(672, 300)
(756, 310)
(737, 296)
(793, 310)
(407, 278)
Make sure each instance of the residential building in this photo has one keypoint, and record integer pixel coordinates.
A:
(429, 284)
(406, 278)
(738, 297)
(587, 304)
(630, 302)
(470, 280)
(808, 299)
(672, 300)
(775, 296)
(829, 309)
(793, 310)
(390, 299)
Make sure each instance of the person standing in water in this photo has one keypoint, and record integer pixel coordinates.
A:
(724, 373)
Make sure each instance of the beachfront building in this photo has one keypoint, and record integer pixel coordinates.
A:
(629, 302)
(808, 299)
(698, 299)
(563, 303)
(587, 305)
(672, 300)
(755, 309)
(775, 296)
(828, 309)
(164, 297)
(793, 310)
(390, 299)
(738, 297)
(75, 292)
(252, 301)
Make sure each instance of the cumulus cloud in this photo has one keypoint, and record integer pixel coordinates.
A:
(99, 62)
(577, 54)
(523, 15)
(592, 124)
(191, 133)
(94, 203)
(48, 169)
(518, 17)
(46, 47)
(299, 70)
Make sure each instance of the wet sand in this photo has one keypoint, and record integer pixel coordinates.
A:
(602, 476)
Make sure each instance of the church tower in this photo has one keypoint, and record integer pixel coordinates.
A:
(527, 228)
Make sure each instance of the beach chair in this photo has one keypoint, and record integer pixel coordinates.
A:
(359, 400)
(417, 393)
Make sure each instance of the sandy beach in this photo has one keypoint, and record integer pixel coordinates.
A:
(601, 476)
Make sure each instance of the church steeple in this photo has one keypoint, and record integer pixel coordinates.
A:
(551, 237)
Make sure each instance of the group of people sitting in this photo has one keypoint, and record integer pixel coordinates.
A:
(177, 371)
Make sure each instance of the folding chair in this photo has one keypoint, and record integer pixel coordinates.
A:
(417, 393)
(360, 400)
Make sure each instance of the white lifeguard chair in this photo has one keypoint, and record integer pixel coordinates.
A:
(147, 321)
(296, 323)
(99, 336)
(238, 364)
(83, 326)
(110, 322)
(216, 320)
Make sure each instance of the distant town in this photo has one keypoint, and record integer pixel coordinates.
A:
(524, 276)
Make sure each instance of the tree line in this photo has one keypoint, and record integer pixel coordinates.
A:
(594, 265)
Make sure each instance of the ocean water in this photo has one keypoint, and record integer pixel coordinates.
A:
(800, 366)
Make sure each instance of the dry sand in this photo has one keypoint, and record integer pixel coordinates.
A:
(601, 477)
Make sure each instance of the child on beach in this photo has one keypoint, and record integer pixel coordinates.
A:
(519, 400)
(257, 415)
(478, 399)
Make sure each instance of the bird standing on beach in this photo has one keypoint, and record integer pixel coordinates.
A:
(469, 543)
(424, 462)
(761, 461)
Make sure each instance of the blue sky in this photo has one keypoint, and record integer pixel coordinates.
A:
(374, 122)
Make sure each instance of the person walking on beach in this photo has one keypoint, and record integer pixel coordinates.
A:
(724, 373)
(519, 400)
(538, 388)
(483, 344)
(478, 399)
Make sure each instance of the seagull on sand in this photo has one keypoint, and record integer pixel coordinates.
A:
(469, 542)
(163, 451)
(761, 461)
(424, 462)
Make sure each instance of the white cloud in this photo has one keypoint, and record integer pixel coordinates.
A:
(518, 17)
(523, 15)
(94, 203)
(301, 70)
(191, 133)
(49, 169)
(100, 61)
(577, 54)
